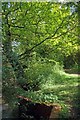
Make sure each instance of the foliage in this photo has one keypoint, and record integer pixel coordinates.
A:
(8, 82)
(63, 94)
(39, 39)
(48, 31)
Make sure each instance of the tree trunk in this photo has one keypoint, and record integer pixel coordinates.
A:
(11, 56)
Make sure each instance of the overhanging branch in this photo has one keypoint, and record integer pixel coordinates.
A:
(49, 37)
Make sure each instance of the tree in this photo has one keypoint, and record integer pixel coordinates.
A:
(42, 30)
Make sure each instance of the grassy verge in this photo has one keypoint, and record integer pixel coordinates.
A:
(61, 89)
(55, 86)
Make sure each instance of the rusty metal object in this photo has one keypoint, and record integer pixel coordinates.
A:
(38, 110)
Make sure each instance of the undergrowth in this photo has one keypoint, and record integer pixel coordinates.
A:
(56, 87)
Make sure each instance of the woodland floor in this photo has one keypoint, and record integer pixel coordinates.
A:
(71, 97)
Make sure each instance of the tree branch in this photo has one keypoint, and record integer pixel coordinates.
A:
(51, 37)
(17, 26)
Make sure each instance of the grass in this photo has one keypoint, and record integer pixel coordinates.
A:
(56, 86)
(66, 92)
(59, 88)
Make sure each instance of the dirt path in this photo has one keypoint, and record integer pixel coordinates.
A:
(72, 72)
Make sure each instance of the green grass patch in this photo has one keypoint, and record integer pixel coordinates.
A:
(55, 86)
(62, 89)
